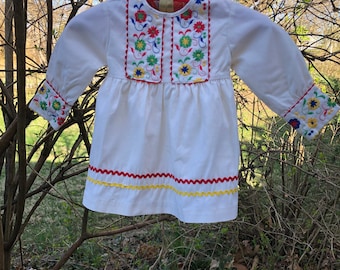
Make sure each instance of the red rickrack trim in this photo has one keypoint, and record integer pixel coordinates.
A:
(127, 39)
(162, 53)
(209, 39)
(305, 94)
(167, 175)
(172, 51)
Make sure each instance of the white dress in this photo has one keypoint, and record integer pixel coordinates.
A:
(165, 136)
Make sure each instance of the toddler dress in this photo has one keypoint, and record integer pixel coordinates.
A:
(166, 133)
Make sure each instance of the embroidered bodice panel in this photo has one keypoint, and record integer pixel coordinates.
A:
(180, 42)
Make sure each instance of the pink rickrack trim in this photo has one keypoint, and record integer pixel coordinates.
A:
(50, 85)
(301, 98)
(167, 175)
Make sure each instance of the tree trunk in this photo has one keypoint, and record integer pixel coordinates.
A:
(14, 196)
(8, 118)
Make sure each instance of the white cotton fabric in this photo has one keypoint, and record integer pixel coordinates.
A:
(172, 147)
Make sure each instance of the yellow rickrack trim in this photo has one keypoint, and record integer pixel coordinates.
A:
(182, 193)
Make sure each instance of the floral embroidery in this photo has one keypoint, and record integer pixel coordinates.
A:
(43, 105)
(153, 32)
(311, 112)
(186, 15)
(295, 123)
(56, 105)
(331, 103)
(184, 70)
(185, 41)
(140, 16)
(144, 41)
(138, 72)
(198, 55)
(51, 105)
(190, 58)
(60, 121)
(152, 60)
(313, 103)
(199, 27)
(312, 122)
(42, 90)
(140, 45)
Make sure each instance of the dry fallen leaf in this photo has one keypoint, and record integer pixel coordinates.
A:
(239, 266)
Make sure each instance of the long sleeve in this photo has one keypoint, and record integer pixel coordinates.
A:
(78, 54)
(268, 61)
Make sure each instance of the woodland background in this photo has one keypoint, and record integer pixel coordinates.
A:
(289, 187)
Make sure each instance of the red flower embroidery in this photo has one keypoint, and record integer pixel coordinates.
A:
(153, 31)
(140, 16)
(295, 123)
(199, 27)
(60, 120)
(186, 15)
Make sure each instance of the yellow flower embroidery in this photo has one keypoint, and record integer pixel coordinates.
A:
(184, 69)
(43, 90)
(138, 72)
(312, 122)
(313, 103)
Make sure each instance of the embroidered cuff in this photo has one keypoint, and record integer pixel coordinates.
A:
(311, 113)
(50, 105)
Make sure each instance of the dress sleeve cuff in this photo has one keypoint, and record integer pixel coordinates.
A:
(311, 113)
(49, 104)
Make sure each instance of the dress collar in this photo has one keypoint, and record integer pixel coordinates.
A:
(168, 14)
